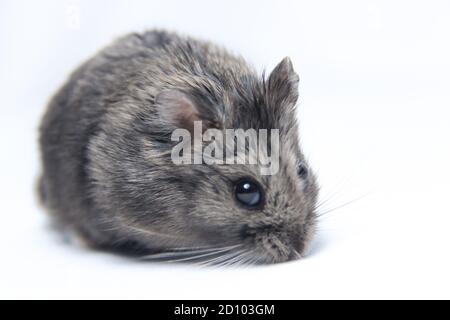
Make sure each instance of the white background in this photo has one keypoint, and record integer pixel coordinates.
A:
(374, 110)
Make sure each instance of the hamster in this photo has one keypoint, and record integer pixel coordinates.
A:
(108, 176)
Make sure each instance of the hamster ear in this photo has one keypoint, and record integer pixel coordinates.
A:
(283, 85)
(177, 109)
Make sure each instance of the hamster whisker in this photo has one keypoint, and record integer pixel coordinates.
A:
(204, 255)
(321, 214)
(225, 258)
(327, 199)
(214, 261)
(238, 259)
(187, 255)
(185, 249)
(254, 259)
(297, 254)
(334, 191)
(177, 251)
(175, 254)
(149, 232)
(196, 257)
(229, 257)
(249, 259)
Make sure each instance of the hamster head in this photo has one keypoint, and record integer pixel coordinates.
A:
(241, 214)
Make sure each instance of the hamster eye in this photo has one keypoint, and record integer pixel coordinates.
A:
(302, 171)
(248, 193)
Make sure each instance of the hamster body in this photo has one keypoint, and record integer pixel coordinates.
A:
(106, 152)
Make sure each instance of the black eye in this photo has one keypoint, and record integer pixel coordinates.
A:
(302, 171)
(248, 193)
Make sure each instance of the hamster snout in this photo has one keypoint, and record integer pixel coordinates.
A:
(270, 244)
(120, 148)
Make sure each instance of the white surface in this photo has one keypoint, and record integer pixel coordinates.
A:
(375, 120)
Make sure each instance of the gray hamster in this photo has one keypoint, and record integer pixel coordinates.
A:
(108, 176)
